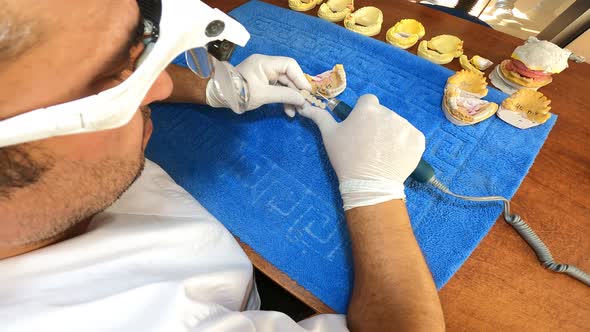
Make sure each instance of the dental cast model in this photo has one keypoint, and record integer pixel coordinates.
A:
(366, 21)
(405, 33)
(303, 5)
(330, 83)
(336, 10)
(467, 65)
(481, 63)
(312, 99)
(441, 49)
(462, 104)
(525, 109)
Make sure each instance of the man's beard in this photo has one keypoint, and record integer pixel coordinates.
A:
(67, 194)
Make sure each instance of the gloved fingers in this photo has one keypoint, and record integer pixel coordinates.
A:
(280, 94)
(286, 81)
(367, 102)
(290, 110)
(322, 118)
(284, 66)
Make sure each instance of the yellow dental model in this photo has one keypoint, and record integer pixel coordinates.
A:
(477, 64)
(466, 64)
(336, 10)
(366, 21)
(447, 44)
(433, 56)
(303, 5)
(462, 104)
(330, 83)
(441, 49)
(525, 109)
(405, 33)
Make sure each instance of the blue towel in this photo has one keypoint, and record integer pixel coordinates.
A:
(267, 178)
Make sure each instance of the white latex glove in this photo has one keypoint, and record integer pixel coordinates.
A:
(262, 72)
(373, 151)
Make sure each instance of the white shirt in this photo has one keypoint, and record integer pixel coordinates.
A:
(154, 261)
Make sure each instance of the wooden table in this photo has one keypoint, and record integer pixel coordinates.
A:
(502, 286)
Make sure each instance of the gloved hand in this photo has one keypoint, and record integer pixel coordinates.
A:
(262, 72)
(373, 151)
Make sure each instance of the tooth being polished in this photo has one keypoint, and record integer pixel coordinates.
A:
(525, 109)
(366, 21)
(462, 104)
(336, 10)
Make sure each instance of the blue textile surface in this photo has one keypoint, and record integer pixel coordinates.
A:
(267, 178)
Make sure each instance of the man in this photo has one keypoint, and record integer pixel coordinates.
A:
(87, 244)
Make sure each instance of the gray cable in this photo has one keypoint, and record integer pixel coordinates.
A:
(525, 231)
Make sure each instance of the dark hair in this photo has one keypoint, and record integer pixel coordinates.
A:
(18, 169)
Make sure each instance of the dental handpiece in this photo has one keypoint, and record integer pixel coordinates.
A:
(423, 173)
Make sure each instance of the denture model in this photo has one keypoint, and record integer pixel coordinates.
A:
(405, 33)
(330, 83)
(462, 103)
(336, 10)
(481, 63)
(467, 65)
(525, 109)
(312, 99)
(366, 21)
(303, 5)
(441, 49)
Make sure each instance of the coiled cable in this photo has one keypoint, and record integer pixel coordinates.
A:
(526, 232)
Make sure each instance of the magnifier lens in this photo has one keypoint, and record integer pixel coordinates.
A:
(232, 85)
(199, 61)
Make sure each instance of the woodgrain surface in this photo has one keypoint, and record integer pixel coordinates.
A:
(502, 286)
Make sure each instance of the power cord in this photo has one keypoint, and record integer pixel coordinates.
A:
(525, 231)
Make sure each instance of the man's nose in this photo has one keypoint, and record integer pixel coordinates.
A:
(160, 90)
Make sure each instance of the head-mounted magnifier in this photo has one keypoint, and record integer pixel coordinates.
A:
(177, 26)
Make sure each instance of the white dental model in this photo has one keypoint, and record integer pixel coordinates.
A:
(366, 21)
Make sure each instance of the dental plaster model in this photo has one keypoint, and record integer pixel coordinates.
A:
(531, 66)
(336, 10)
(405, 33)
(366, 21)
(462, 104)
(480, 62)
(467, 65)
(447, 44)
(330, 83)
(441, 49)
(303, 5)
(312, 99)
(525, 109)
(433, 56)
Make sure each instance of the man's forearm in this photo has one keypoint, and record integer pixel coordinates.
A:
(188, 87)
(393, 286)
